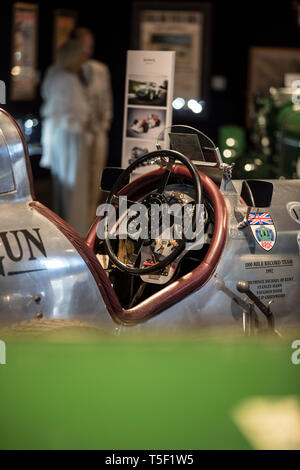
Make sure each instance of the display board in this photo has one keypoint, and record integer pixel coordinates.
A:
(148, 101)
(64, 23)
(24, 52)
(180, 31)
(268, 67)
(186, 29)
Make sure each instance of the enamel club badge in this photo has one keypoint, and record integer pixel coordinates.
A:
(263, 229)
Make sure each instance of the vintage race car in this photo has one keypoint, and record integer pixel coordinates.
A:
(247, 255)
(145, 124)
(136, 153)
(148, 91)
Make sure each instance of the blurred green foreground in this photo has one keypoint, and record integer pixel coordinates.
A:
(92, 391)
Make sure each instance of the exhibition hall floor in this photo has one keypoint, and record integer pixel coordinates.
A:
(86, 390)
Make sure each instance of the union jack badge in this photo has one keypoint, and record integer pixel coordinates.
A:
(263, 229)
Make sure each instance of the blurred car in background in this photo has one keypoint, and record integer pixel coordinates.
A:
(137, 152)
(149, 91)
(145, 124)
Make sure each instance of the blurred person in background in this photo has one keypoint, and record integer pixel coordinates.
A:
(66, 138)
(95, 77)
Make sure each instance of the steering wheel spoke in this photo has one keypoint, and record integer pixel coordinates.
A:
(167, 159)
(166, 175)
(116, 200)
(137, 251)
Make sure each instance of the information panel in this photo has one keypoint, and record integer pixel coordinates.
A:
(148, 102)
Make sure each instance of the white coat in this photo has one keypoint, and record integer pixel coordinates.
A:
(99, 93)
(66, 144)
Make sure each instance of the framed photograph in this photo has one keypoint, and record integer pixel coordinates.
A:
(24, 52)
(64, 23)
(151, 91)
(269, 67)
(135, 149)
(145, 123)
(148, 100)
(185, 30)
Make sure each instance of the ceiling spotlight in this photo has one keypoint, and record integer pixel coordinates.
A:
(249, 167)
(15, 70)
(227, 153)
(265, 141)
(230, 142)
(195, 106)
(178, 103)
(28, 123)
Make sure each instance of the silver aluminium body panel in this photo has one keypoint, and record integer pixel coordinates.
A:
(43, 275)
(273, 275)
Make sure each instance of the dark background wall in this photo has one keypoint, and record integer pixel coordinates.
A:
(235, 26)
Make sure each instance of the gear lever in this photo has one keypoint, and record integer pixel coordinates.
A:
(243, 287)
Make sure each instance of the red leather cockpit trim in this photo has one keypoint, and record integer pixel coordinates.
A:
(107, 292)
(193, 280)
(174, 291)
